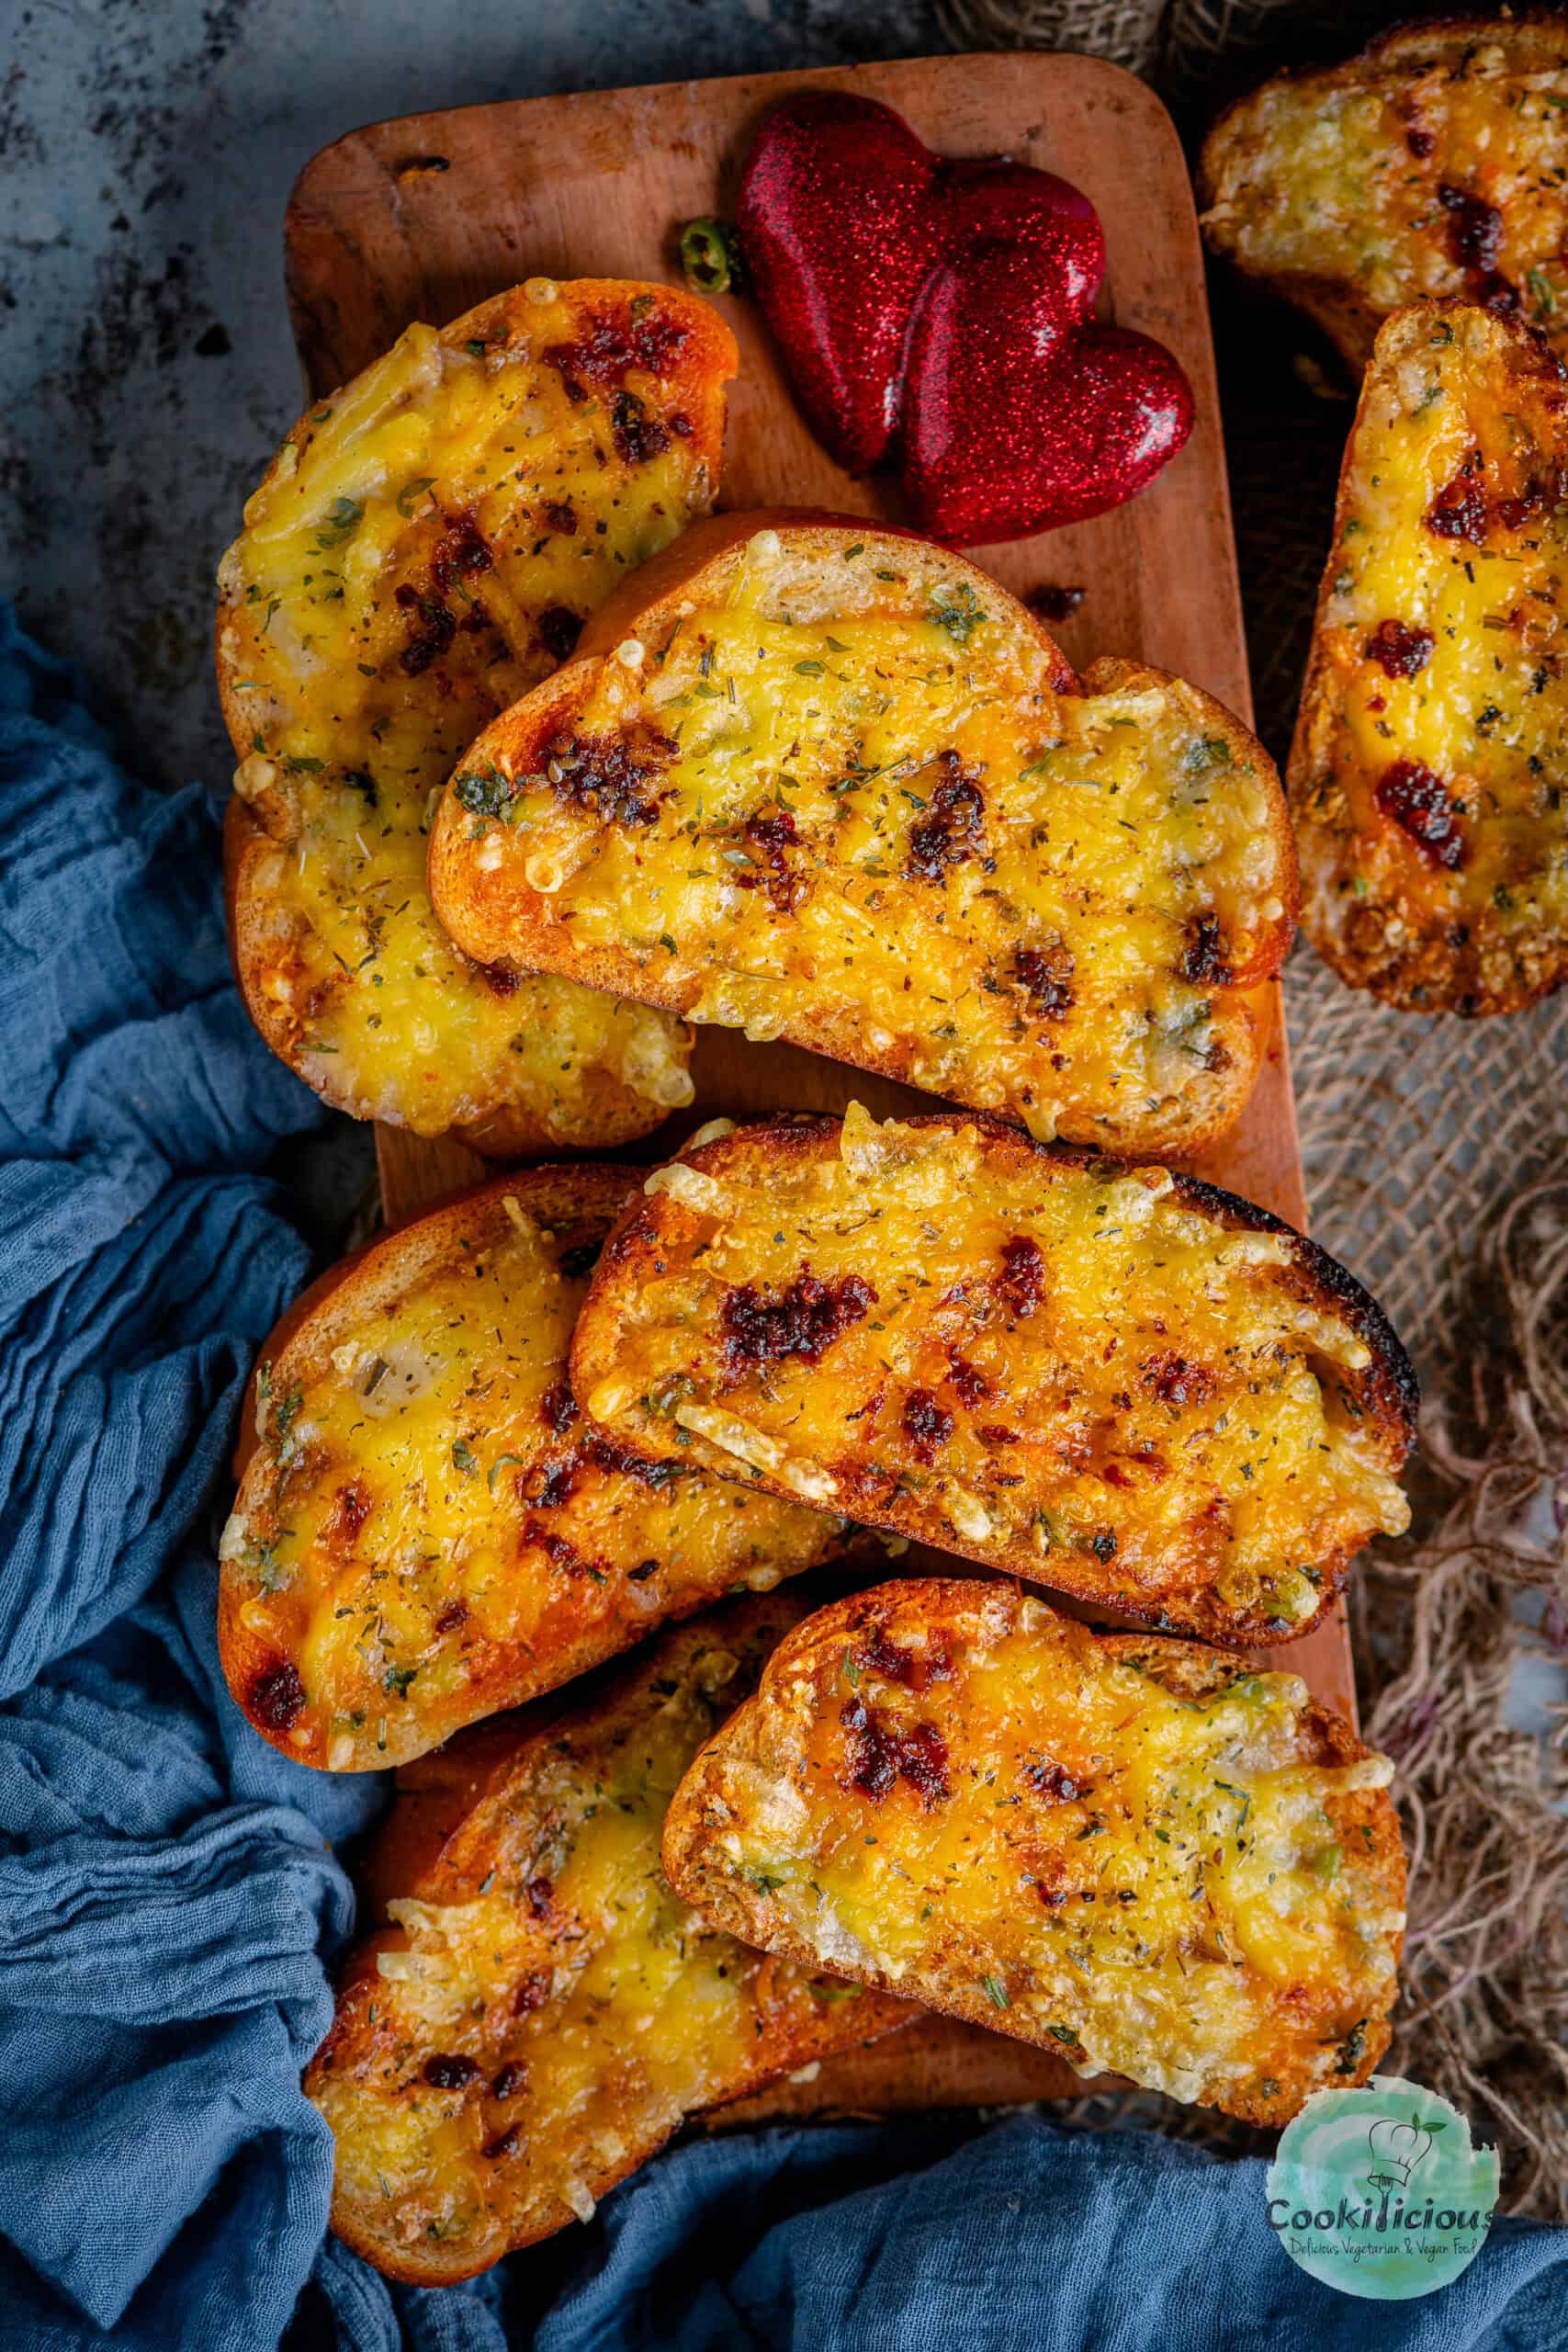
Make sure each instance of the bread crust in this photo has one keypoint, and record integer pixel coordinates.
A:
(595, 1558)
(481, 853)
(1422, 775)
(1239, 196)
(474, 1825)
(910, 1710)
(891, 1480)
(479, 581)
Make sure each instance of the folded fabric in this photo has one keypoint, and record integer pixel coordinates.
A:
(928, 2237)
(170, 1904)
(167, 1896)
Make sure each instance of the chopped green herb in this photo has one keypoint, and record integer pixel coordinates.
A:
(344, 517)
(412, 493)
(1210, 752)
(961, 615)
(484, 792)
(268, 1570)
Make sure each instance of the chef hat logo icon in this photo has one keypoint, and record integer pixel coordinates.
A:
(1380, 2192)
(1396, 2149)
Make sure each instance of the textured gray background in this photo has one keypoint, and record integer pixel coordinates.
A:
(147, 148)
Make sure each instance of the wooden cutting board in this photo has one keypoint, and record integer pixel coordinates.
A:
(420, 218)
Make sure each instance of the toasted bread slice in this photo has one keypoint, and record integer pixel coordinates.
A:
(1426, 776)
(1113, 1380)
(543, 2013)
(425, 1531)
(421, 551)
(1137, 1852)
(1431, 165)
(832, 783)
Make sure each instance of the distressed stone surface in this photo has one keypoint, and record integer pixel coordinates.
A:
(147, 148)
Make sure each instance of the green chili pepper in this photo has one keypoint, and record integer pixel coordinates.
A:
(710, 257)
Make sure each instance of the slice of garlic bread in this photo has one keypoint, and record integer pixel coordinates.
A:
(543, 2013)
(831, 784)
(1434, 163)
(1427, 773)
(421, 551)
(1111, 1379)
(1141, 1853)
(425, 1531)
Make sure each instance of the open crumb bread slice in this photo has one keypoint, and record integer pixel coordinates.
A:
(1140, 1853)
(543, 2013)
(1111, 1379)
(1427, 776)
(425, 1531)
(1434, 164)
(421, 551)
(831, 783)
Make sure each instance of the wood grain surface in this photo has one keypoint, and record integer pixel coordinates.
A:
(420, 218)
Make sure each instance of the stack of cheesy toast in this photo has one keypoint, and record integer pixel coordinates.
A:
(1411, 202)
(542, 763)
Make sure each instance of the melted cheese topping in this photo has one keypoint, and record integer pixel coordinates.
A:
(1067, 1372)
(878, 829)
(1337, 176)
(1042, 1835)
(420, 555)
(587, 2009)
(1457, 407)
(428, 1532)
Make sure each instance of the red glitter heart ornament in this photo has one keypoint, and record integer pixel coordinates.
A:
(1018, 411)
(889, 275)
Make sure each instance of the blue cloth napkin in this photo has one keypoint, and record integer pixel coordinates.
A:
(170, 1902)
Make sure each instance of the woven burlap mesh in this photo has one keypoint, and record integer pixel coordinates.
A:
(1436, 1154)
(1127, 31)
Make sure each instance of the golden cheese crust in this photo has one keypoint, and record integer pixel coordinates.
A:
(543, 2013)
(425, 1531)
(421, 551)
(1426, 776)
(1140, 1854)
(1110, 1379)
(821, 782)
(1433, 164)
